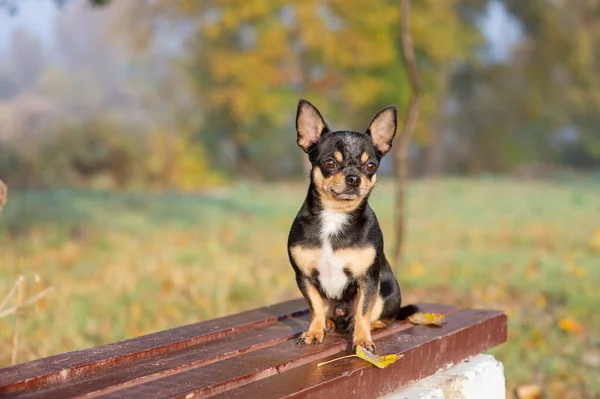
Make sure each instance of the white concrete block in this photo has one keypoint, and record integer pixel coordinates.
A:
(481, 376)
(418, 393)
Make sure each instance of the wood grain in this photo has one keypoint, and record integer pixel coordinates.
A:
(253, 354)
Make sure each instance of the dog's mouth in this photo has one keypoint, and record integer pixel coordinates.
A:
(347, 196)
(343, 194)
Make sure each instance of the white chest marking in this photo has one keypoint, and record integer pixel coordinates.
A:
(332, 278)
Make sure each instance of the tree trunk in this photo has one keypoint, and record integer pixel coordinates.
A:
(3, 195)
(408, 130)
(244, 165)
(435, 155)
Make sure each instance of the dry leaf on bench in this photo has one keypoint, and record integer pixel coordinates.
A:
(378, 361)
(429, 319)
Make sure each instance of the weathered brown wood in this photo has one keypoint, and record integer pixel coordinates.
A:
(245, 368)
(254, 354)
(73, 365)
(145, 370)
(426, 350)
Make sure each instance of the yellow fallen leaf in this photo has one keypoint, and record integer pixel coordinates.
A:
(434, 319)
(378, 361)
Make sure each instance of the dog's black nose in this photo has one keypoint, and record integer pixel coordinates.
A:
(353, 180)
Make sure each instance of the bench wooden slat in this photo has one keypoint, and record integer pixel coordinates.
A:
(250, 354)
(71, 365)
(468, 333)
(238, 373)
(199, 355)
(249, 367)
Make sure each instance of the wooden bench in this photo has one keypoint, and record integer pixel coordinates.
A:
(254, 354)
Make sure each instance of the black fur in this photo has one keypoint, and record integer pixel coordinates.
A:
(362, 229)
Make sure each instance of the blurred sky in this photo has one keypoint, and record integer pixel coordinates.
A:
(37, 16)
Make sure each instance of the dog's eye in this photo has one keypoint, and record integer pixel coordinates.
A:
(370, 167)
(330, 163)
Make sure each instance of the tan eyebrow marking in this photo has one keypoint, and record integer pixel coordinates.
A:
(338, 156)
(364, 157)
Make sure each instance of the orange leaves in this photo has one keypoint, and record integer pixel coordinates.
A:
(569, 325)
(179, 161)
(428, 319)
(263, 49)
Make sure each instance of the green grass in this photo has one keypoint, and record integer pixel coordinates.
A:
(126, 264)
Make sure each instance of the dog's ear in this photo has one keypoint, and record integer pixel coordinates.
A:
(310, 125)
(382, 129)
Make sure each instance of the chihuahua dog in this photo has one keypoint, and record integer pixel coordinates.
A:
(335, 244)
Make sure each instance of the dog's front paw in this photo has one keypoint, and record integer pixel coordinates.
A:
(365, 343)
(311, 337)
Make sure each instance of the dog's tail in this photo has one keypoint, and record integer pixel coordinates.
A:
(407, 311)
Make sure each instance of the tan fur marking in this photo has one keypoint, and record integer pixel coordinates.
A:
(376, 322)
(336, 183)
(377, 309)
(329, 325)
(316, 330)
(327, 187)
(306, 258)
(319, 180)
(318, 304)
(329, 308)
(362, 326)
(380, 324)
(338, 156)
(364, 157)
(357, 260)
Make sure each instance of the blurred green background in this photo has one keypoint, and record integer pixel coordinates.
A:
(149, 149)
